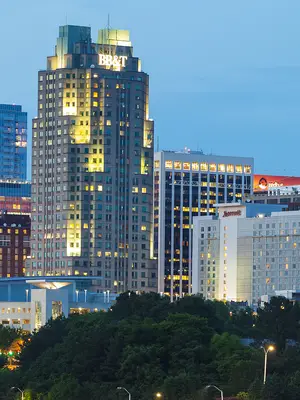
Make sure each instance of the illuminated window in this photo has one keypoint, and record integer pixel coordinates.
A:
(195, 166)
(108, 122)
(143, 228)
(168, 164)
(86, 187)
(204, 167)
(295, 245)
(144, 190)
(213, 167)
(85, 226)
(99, 253)
(95, 103)
(135, 189)
(268, 280)
(247, 169)
(92, 188)
(238, 169)
(177, 164)
(186, 166)
(286, 266)
(230, 168)
(95, 94)
(221, 167)
(156, 164)
(100, 188)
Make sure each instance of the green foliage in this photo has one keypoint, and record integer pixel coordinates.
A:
(147, 344)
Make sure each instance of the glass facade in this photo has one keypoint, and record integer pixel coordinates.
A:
(13, 142)
(184, 188)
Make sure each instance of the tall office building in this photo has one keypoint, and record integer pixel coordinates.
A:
(13, 142)
(188, 184)
(92, 163)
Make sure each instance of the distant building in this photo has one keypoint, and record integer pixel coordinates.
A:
(248, 251)
(15, 197)
(269, 189)
(29, 303)
(14, 244)
(189, 184)
(13, 142)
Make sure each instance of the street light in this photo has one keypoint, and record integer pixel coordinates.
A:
(122, 388)
(21, 391)
(266, 351)
(215, 387)
(158, 395)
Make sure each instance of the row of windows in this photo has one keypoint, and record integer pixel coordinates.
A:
(204, 166)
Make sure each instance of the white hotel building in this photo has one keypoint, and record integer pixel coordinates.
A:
(246, 252)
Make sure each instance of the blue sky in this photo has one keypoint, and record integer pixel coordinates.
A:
(225, 75)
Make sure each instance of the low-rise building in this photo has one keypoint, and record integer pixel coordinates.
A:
(29, 303)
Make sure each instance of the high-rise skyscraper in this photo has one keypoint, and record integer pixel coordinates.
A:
(13, 142)
(92, 163)
(189, 184)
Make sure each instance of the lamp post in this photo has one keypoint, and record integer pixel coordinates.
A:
(215, 387)
(122, 388)
(21, 391)
(266, 351)
(158, 395)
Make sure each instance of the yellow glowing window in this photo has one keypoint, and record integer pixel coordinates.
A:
(295, 245)
(108, 122)
(168, 164)
(238, 169)
(186, 166)
(143, 228)
(100, 188)
(99, 253)
(108, 254)
(85, 226)
(230, 168)
(247, 169)
(268, 280)
(204, 167)
(195, 166)
(177, 164)
(221, 167)
(286, 266)
(86, 187)
(213, 167)
(95, 94)
(95, 103)
(76, 272)
(144, 190)
(135, 189)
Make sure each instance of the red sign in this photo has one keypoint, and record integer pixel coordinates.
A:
(236, 213)
(262, 183)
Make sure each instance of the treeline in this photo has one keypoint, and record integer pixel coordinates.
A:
(148, 345)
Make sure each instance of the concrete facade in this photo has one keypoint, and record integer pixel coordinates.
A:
(242, 257)
(92, 164)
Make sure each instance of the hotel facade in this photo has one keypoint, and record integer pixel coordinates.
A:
(246, 253)
(186, 185)
(92, 163)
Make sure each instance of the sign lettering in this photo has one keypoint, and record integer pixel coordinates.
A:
(108, 60)
(232, 213)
